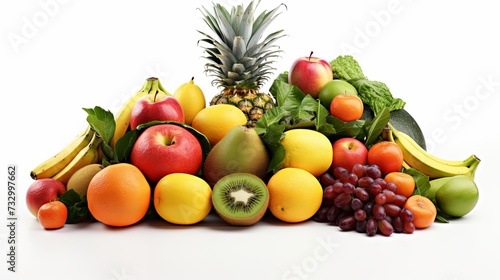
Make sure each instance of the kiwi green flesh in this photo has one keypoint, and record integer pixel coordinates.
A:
(240, 198)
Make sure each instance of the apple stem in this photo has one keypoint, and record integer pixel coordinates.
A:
(154, 99)
(310, 55)
(192, 78)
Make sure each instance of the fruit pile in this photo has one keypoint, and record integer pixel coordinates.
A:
(325, 144)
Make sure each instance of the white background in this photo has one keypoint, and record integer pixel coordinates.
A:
(57, 57)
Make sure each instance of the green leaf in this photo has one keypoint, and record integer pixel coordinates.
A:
(272, 139)
(102, 121)
(376, 126)
(123, 146)
(346, 68)
(273, 116)
(77, 206)
(422, 184)
(376, 95)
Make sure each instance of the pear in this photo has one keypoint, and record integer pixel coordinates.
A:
(240, 150)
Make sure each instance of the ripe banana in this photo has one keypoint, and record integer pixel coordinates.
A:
(430, 165)
(53, 165)
(122, 119)
(86, 156)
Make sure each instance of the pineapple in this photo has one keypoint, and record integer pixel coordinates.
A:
(238, 59)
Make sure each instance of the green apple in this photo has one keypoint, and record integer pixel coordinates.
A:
(333, 88)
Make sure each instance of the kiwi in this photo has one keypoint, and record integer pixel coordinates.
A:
(240, 198)
(80, 180)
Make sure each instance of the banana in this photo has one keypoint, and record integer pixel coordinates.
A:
(53, 165)
(122, 119)
(86, 156)
(428, 164)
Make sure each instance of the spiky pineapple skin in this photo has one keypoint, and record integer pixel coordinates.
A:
(252, 103)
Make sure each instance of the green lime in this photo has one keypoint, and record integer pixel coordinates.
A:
(458, 196)
(333, 88)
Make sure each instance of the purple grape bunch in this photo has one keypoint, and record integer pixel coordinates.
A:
(361, 200)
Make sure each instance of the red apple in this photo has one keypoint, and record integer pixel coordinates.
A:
(42, 191)
(347, 152)
(164, 149)
(310, 74)
(156, 107)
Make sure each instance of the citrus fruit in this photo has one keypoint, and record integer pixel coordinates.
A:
(387, 155)
(458, 196)
(295, 195)
(333, 88)
(424, 211)
(52, 215)
(215, 121)
(347, 107)
(404, 182)
(191, 98)
(307, 149)
(182, 199)
(119, 195)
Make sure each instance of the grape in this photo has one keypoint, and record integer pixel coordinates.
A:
(341, 215)
(356, 204)
(399, 200)
(361, 194)
(389, 195)
(408, 227)
(347, 207)
(332, 213)
(351, 178)
(373, 172)
(360, 215)
(340, 173)
(329, 193)
(338, 187)
(321, 215)
(371, 227)
(368, 207)
(365, 182)
(391, 186)
(385, 227)
(392, 209)
(380, 198)
(378, 212)
(361, 226)
(381, 182)
(347, 223)
(358, 169)
(342, 199)
(326, 179)
(397, 224)
(348, 188)
(375, 189)
(407, 215)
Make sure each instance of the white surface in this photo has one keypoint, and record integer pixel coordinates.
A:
(87, 53)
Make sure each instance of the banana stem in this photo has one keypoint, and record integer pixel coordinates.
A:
(387, 134)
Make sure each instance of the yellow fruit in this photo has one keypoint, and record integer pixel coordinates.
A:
(307, 149)
(295, 195)
(191, 98)
(216, 121)
(182, 199)
(80, 180)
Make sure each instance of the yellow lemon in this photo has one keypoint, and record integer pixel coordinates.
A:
(215, 121)
(295, 195)
(191, 98)
(182, 199)
(307, 149)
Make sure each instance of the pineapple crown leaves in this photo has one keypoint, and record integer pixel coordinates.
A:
(236, 56)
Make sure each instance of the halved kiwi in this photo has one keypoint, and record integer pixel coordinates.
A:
(240, 198)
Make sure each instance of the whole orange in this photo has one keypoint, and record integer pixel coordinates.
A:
(347, 107)
(52, 215)
(119, 195)
(387, 155)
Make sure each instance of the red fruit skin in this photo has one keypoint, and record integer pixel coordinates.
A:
(42, 191)
(347, 152)
(163, 108)
(310, 74)
(164, 149)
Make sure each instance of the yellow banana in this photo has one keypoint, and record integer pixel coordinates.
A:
(86, 156)
(428, 164)
(122, 119)
(53, 165)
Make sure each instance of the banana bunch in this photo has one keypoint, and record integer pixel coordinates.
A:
(432, 166)
(83, 150)
(122, 119)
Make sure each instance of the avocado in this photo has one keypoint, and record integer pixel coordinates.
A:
(403, 121)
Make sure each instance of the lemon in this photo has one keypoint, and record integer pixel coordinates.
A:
(307, 149)
(458, 196)
(191, 98)
(295, 195)
(215, 121)
(182, 199)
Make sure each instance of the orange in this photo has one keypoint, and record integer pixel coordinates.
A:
(404, 182)
(215, 121)
(295, 195)
(387, 155)
(347, 107)
(307, 149)
(424, 211)
(52, 215)
(119, 195)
